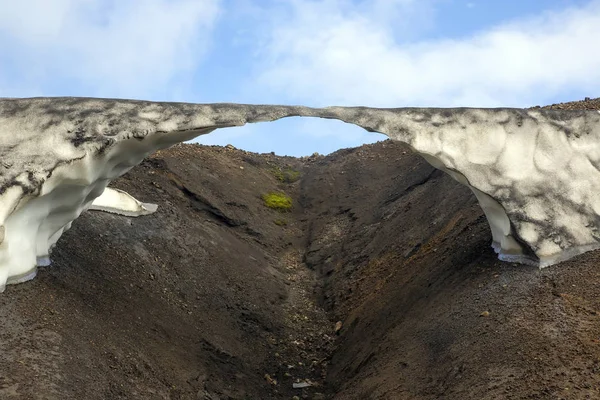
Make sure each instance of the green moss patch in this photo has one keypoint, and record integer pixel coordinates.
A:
(277, 201)
(285, 175)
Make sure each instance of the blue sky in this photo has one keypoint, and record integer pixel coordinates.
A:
(388, 53)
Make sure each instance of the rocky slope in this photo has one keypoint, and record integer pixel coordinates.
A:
(379, 284)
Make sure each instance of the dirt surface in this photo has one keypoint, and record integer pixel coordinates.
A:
(205, 299)
(585, 104)
(428, 311)
(379, 284)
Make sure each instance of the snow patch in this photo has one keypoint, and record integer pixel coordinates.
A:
(119, 202)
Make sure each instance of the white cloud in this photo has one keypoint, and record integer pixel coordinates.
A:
(328, 52)
(124, 48)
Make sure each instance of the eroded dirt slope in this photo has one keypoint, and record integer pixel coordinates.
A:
(428, 311)
(205, 299)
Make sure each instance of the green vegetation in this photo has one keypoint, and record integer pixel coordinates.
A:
(278, 201)
(285, 175)
(280, 222)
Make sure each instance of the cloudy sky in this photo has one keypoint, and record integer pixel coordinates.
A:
(388, 53)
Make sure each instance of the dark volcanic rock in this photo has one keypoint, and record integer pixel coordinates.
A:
(198, 301)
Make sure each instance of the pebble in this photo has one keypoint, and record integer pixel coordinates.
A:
(338, 327)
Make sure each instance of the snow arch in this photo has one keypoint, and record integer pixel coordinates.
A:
(536, 173)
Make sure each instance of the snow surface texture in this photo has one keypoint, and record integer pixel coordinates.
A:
(536, 173)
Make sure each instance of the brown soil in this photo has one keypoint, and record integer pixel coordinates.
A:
(380, 284)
